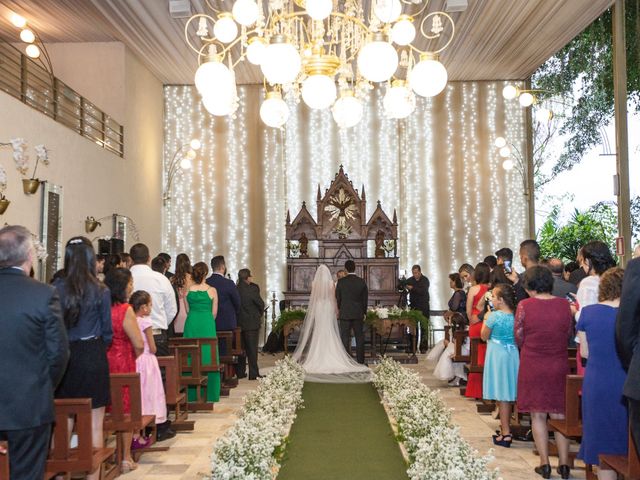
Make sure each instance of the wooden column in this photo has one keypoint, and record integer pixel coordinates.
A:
(622, 139)
(529, 179)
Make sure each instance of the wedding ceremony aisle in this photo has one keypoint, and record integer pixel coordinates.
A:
(342, 432)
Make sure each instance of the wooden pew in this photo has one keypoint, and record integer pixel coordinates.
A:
(571, 426)
(120, 422)
(175, 394)
(229, 359)
(194, 370)
(628, 467)
(81, 459)
(484, 406)
(573, 365)
(460, 336)
(4, 461)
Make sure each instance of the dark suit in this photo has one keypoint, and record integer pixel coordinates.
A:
(250, 321)
(352, 296)
(228, 308)
(33, 353)
(561, 287)
(627, 333)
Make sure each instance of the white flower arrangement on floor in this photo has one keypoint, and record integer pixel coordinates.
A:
(435, 448)
(250, 450)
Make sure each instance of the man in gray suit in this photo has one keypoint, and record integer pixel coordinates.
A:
(250, 319)
(561, 288)
(352, 296)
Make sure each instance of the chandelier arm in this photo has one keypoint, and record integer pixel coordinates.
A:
(208, 44)
(431, 37)
(212, 7)
(207, 40)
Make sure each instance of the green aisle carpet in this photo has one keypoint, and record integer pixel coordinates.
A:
(342, 433)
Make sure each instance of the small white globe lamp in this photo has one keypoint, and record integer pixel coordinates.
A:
(281, 61)
(505, 152)
(195, 144)
(403, 31)
(32, 51)
(399, 101)
(428, 77)
(508, 164)
(509, 92)
(245, 12)
(500, 142)
(274, 111)
(319, 91)
(347, 111)
(319, 9)
(185, 163)
(212, 76)
(377, 60)
(526, 99)
(387, 11)
(256, 49)
(27, 36)
(225, 29)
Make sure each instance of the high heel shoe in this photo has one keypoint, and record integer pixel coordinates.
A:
(502, 440)
(543, 470)
(563, 471)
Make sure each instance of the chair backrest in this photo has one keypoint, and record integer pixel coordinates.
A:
(121, 382)
(171, 377)
(188, 360)
(573, 403)
(62, 457)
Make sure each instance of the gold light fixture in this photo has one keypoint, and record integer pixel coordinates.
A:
(180, 162)
(90, 224)
(305, 47)
(4, 203)
(34, 47)
(30, 185)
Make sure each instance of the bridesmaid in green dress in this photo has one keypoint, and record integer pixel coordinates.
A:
(202, 302)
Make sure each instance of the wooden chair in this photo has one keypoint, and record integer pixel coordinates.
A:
(460, 336)
(229, 359)
(175, 394)
(4, 461)
(81, 459)
(121, 422)
(192, 370)
(628, 467)
(484, 406)
(571, 425)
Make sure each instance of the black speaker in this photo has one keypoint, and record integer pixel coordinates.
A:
(107, 247)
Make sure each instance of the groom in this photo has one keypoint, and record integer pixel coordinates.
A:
(352, 297)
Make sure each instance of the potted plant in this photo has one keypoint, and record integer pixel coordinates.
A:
(30, 185)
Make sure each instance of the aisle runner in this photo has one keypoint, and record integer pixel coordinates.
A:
(342, 433)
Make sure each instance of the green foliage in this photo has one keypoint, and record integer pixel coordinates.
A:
(288, 316)
(563, 241)
(635, 219)
(583, 70)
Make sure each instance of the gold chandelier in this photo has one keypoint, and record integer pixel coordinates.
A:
(305, 47)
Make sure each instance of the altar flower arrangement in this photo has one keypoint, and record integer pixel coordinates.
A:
(252, 447)
(289, 315)
(382, 312)
(435, 448)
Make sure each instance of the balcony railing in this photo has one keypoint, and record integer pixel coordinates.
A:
(30, 83)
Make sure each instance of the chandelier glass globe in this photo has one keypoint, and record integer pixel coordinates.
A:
(509, 92)
(318, 91)
(399, 101)
(377, 60)
(319, 9)
(347, 111)
(428, 77)
(255, 50)
(245, 12)
(500, 142)
(220, 105)
(403, 32)
(505, 152)
(213, 76)
(274, 111)
(387, 11)
(281, 62)
(508, 164)
(225, 29)
(526, 99)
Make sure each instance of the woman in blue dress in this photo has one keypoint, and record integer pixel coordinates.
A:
(500, 377)
(604, 414)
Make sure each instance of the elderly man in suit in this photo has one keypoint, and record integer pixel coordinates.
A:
(33, 353)
(250, 319)
(627, 335)
(352, 296)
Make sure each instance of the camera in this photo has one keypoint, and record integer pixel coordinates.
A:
(402, 285)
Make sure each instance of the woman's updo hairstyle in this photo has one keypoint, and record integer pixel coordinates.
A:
(199, 272)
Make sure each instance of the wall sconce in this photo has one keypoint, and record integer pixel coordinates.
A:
(90, 224)
(35, 48)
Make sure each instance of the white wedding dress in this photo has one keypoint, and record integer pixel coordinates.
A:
(320, 350)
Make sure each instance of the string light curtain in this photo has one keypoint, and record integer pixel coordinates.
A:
(439, 169)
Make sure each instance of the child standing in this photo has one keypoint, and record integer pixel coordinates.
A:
(153, 397)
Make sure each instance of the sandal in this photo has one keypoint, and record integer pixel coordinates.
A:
(127, 466)
(503, 440)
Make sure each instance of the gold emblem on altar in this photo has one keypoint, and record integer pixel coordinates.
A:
(341, 207)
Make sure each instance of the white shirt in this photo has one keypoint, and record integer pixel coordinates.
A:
(587, 292)
(163, 308)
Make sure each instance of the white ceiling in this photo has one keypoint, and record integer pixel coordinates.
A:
(495, 39)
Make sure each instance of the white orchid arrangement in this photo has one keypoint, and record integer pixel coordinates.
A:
(250, 450)
(3, 181)
(435, 448)
(21, 159)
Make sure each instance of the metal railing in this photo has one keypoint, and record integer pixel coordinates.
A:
(30, 83)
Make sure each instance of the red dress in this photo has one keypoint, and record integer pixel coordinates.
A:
(122, 358)
(474, 380)
(542, 329)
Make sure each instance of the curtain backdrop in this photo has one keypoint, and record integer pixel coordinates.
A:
(439, 169)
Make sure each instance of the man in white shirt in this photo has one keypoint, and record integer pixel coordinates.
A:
(164, 307)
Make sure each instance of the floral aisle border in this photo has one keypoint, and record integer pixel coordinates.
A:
(251, 449)
(435, 448)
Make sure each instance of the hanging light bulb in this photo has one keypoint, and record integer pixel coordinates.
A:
(387, 11)
(255, 50)
(526, 99)
(399, 101)
(32, 51)
(225, 29)
(509, 92)
(185, 163)
(508, 164)
(347, 111)
(500, 142)
(318, 91)
(27, 36)
(377, 60)
(195, 144)
(18, 21)
(281, 61)
(505, 151)
(245, 12)
(428, 77)
(274, 111)
(319, 9)
(403, 31)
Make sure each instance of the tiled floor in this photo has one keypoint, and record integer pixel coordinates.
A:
(188, 457)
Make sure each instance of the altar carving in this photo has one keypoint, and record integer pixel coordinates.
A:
(342, 232)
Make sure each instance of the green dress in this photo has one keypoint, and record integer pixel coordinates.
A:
(201, 324)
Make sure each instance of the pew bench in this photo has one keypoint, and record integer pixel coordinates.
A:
(230, 346)
(627, 467)
(175, 393)
(483, 406)
(81, 459)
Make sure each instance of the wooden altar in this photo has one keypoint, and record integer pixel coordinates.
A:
(342, 232)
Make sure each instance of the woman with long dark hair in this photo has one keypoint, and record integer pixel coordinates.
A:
(86, 308)
(181, 281)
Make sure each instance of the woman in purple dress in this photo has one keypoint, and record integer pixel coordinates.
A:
(604, 413)
(543, 325)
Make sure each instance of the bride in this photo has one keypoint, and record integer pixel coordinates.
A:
(320, 350)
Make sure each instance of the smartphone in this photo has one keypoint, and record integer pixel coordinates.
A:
(507, 266)
(571, 297)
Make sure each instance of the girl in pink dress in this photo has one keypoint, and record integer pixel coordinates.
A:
(153, 398)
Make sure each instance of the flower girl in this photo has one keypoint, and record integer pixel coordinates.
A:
(153, 397)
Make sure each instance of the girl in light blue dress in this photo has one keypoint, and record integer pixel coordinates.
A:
(500, 377)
